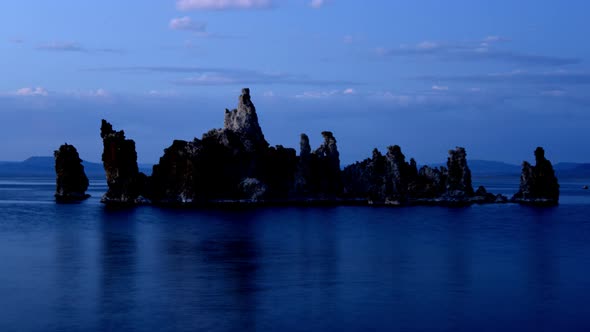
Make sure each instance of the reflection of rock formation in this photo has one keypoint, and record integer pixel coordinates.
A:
(118, 274)
(119, 158)
(538, 184)
(71, 180)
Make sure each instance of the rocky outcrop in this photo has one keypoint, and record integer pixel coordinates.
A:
(391, 180)
(236, 164)
(71, 180)
(126, 184)
(459, 175)
(538, 184)
(243, 121)
(233, 163)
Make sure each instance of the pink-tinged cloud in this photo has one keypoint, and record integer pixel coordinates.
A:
(222, 4)
(317, 3)
(440, 88)
(27, 92)
(187, 24)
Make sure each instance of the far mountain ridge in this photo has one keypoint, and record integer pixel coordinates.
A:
(44, 166)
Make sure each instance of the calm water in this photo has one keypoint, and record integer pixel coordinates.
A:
(484, 268)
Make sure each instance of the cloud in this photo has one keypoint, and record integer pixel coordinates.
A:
(203, 76)
(99, 93)
(74, 48)
(483, 50)
(440, 88)
(554, 93)
(187, 24)
(318, 3)
(325, 94)
(16, 41)
(222, 4)
(28, 92)
(516, 77)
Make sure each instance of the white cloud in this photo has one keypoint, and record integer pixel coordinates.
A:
(440, 88)
(187, 24)
(554, 93)
(38, 91)
(427, 45)
(317, 3)
(348, 39)
(317, 94)
(269, 94)
(222, 4)
(325, 94)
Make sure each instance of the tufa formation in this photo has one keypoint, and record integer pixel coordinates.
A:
(71, 180)
(126, 184)
(235, 164)
(538, 184)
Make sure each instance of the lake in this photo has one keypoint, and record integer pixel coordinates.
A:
(83, 267)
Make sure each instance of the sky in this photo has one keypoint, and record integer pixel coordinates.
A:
(498, 78)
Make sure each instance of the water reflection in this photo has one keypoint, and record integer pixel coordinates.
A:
(118, 261)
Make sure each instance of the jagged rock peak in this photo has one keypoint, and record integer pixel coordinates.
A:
(459, 174)
(126, 184)
(395, 152)
(106, 129)
(244, 119)
(540, 155)
(328, 147)
(304, 147)
(71, 180)
(538, 184)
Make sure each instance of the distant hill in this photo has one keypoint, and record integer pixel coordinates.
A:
(489, 168)
(486, 168)
(572, 170)
(44, 167)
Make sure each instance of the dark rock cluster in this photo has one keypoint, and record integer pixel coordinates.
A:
(538, 184)
(236, 164)
(391, 180)
(71, 180)
(126, 184)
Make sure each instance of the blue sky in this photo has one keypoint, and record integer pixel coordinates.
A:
(496, 77)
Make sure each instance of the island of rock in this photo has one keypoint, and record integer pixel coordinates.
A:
(126, 184)
(538, 184)
(71, 180)
(235, 164)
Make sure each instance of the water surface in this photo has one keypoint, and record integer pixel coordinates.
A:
(82, 267)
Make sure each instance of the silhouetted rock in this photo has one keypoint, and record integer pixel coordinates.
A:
(538, 184)
(390, 180)
(233, 163)
(367, 179)
(325, 168)
(71, 180)
(459, 175)
(236, 164)
(126, 184)
(482, 196)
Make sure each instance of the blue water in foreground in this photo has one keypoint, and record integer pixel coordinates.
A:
(82, 267)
